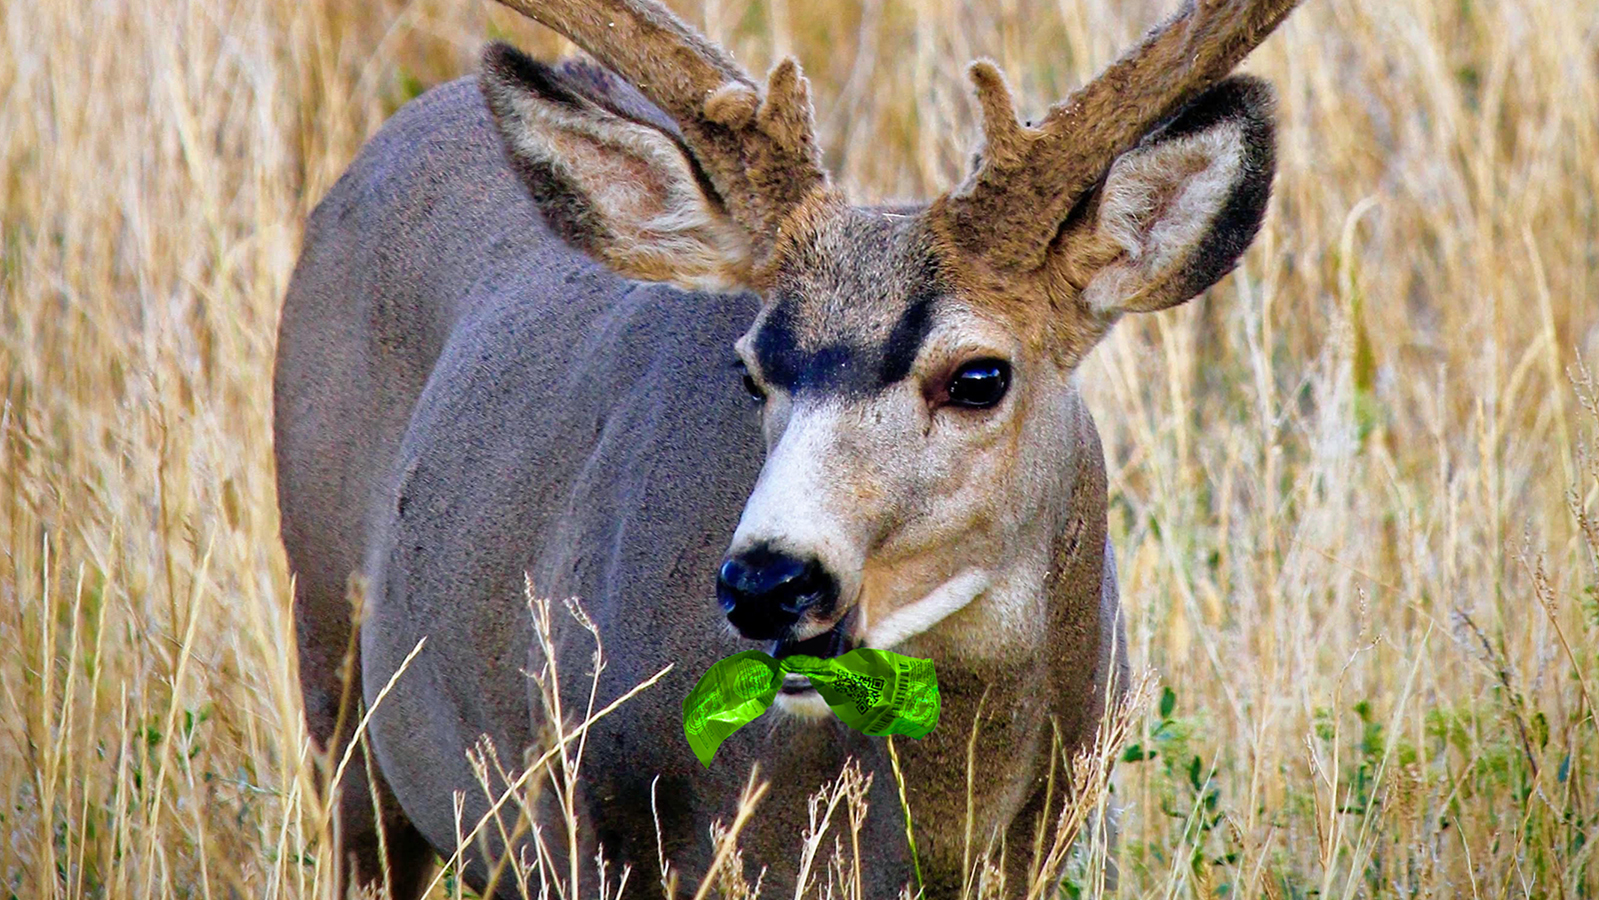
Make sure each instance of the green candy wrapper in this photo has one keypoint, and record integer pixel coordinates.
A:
(873, 691)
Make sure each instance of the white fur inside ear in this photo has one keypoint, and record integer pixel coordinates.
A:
(662, 226)
(1158, 204)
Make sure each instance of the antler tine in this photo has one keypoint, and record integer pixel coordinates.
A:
(757, 149)
(1067, 154)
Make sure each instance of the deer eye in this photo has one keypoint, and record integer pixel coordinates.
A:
(753, 389)
(980, 383)
(750, 387)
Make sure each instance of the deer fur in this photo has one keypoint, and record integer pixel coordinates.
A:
(508, 352)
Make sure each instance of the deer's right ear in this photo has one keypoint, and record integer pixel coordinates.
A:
(611, 182)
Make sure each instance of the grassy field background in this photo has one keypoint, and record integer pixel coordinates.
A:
(1354, 489)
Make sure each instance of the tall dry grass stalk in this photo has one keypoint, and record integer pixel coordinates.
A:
(1355, 527)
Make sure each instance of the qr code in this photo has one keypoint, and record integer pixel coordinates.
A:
(865, 690)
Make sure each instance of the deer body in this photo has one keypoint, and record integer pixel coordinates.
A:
(478, 382)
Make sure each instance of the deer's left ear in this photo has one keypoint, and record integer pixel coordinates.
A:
(1176, 212)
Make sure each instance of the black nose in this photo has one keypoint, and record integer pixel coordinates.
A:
(765, 592)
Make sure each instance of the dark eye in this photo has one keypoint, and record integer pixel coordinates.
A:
(750, 387)
(980, 383)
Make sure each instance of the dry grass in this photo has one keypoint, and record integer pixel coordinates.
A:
(1357, 532)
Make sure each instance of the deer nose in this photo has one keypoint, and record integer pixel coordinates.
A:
(765, 592)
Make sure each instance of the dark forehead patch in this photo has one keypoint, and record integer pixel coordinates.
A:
(852, 312)
(844, 367)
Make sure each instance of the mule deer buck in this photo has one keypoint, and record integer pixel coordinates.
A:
(513, 347)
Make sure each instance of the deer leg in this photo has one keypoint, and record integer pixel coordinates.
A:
(377, 843)
(370, 830)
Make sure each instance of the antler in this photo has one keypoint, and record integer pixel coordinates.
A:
(757, 150)
(1029, 178)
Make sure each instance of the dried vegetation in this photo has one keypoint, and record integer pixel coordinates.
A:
(1354, 489)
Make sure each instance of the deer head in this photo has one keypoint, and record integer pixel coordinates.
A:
(914, 367)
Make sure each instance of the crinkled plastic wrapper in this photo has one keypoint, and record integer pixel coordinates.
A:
(876, 692)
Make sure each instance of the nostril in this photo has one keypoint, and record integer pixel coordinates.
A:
(803, 589)
(765, 592)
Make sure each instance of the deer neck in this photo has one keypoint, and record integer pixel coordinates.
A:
(1001, 710)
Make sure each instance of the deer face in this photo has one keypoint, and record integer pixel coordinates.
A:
(907, 433)
(914, 369)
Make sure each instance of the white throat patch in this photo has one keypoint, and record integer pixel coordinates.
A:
(915, 618)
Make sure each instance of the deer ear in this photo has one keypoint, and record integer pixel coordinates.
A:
(611, 174)
(1176, 212)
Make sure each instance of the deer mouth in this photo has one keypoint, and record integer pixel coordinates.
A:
(835, 641)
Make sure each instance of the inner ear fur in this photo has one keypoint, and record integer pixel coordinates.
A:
(1175, 213)
(610, 173)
